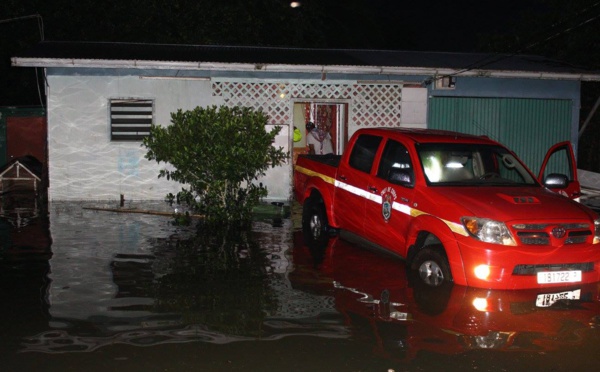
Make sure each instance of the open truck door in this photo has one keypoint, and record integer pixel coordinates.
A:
(559, 171)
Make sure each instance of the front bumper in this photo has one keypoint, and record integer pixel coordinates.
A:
(516, 267)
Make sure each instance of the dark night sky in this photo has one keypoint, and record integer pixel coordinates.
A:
(452, 25)
(434, 25)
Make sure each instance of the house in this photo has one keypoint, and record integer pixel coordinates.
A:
(102, 98)
(21, 187)
(21, 175)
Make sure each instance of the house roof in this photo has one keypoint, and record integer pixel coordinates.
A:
(30, 164)
(214, 57)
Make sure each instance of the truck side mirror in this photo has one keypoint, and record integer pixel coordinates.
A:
(556, 181)
(402, 177)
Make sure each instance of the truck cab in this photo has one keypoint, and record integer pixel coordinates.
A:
(457, 207)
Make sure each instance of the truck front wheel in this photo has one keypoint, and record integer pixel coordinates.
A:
(431, 266)
(314, 218)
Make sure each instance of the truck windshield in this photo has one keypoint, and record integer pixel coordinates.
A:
(472, 165)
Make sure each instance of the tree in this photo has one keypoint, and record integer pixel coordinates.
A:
(218, 153)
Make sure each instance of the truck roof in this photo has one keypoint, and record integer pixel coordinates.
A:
(419, 135)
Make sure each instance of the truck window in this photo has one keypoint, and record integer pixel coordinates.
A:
(395, 156)
(558, 163)
(471, 164)
(363, 152)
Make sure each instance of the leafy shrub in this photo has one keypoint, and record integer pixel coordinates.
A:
(218, 153)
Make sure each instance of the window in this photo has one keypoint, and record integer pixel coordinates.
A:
(558, 163)
(363, 152)
(130, 119)
(395, 164)
(464, 164)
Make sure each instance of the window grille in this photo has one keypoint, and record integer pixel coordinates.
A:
(130, 119)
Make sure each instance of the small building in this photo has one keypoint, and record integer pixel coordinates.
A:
(103, 97)
(21, 175)
(21, 188)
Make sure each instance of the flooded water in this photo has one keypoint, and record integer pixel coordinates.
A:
(92, 290)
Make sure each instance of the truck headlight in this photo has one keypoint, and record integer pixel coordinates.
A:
(597, 231)
(488, 231)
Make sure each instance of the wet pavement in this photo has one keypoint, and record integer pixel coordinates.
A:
(91, 290)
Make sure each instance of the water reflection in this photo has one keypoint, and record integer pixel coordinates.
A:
(24, 230)
(404, 318)
(137, 279)
(25, 250)
(79, 280)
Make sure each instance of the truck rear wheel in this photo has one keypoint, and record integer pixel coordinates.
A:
(314, 218)
(431, 266)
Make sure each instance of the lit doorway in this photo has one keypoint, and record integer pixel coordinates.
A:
(330, 117)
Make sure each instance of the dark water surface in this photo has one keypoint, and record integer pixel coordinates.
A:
(88, 290)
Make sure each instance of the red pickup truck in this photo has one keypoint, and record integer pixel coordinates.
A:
(457, 207)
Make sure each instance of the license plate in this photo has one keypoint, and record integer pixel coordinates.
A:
(548, 277)
(548, 299)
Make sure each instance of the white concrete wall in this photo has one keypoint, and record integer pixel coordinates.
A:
(85, 165)
(279, 180)
(414, 108)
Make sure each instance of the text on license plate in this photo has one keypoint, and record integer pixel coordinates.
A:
(548, 299)
(570, 276)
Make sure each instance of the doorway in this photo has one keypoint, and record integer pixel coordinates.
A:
(330, 117)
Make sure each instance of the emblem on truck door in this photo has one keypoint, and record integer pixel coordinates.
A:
(388, 195)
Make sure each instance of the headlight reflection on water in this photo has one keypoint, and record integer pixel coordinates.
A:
(493, 340)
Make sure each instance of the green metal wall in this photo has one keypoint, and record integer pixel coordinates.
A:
(529, 127)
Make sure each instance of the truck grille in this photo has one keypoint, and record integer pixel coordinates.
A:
(541, 234)
(534, 269)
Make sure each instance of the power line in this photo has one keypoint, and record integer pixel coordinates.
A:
(37, 16)
(496, 58)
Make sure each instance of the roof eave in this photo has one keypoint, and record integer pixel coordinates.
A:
(23, 166)
(251, 67)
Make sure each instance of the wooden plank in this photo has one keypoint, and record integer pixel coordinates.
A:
(139, 211)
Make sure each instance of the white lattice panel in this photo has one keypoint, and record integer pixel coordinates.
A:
(370, 104)
(376, 105)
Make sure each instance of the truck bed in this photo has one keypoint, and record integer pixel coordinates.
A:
(329, 159)
(324, 167)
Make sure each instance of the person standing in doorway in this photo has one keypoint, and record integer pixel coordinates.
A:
(318, 141)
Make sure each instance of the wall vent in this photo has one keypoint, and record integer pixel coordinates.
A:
(130, 119)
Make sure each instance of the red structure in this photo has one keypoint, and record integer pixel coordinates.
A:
(23, 131)
(23, 135)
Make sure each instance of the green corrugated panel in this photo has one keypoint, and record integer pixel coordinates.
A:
(478, 116)
(532, 126)
(527, 126)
